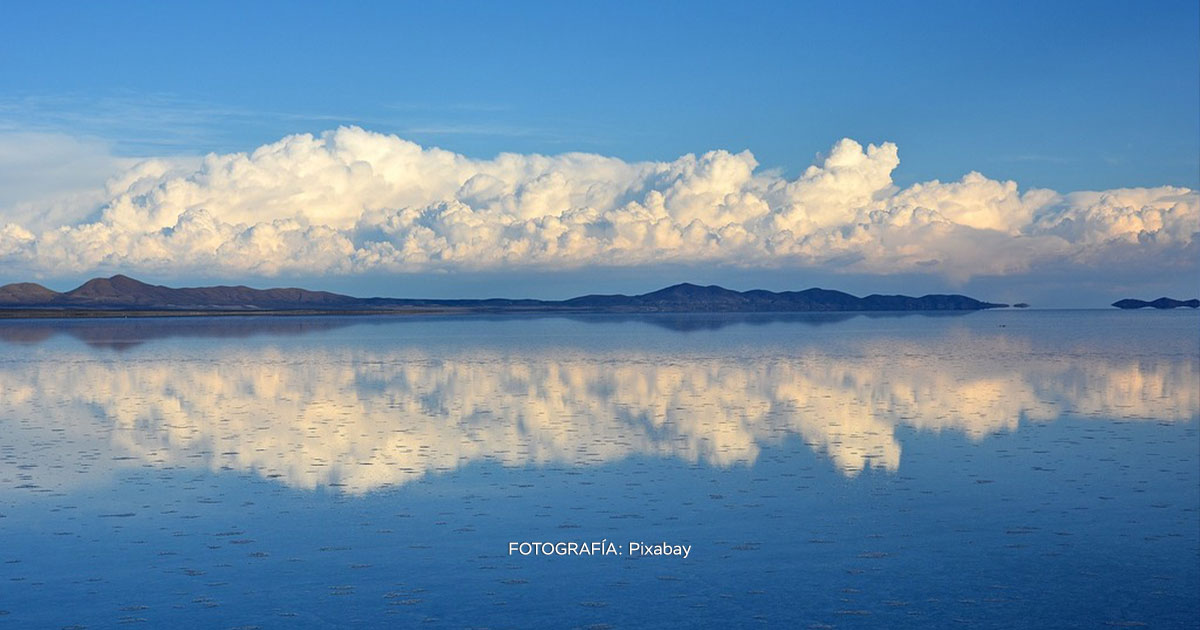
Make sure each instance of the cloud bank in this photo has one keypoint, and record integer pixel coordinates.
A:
(353, 201)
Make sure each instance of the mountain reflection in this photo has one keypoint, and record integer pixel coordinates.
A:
(126, 333)
(362, 418)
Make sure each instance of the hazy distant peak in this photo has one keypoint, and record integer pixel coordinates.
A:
(687, 290)
(1160, 303)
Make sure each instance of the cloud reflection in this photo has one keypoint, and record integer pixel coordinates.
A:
(361, 418)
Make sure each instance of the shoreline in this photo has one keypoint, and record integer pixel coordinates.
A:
(48, 313)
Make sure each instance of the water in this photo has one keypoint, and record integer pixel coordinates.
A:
(994, 469)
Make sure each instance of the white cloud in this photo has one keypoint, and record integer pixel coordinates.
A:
(351, 201)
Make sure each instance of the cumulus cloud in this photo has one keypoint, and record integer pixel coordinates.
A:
(351, 200)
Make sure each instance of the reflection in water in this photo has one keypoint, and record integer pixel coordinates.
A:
(126, 333)
(689, 322)
(360, 418)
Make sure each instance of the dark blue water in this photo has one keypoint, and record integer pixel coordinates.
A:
(997, 469)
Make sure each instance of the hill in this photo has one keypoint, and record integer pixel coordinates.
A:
(1160, 303)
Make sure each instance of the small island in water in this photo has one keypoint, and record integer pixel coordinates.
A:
(121, 295)
(1160, 303)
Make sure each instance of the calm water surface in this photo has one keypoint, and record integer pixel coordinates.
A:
(995, 469)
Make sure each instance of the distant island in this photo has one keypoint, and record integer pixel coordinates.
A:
(122, 295)
(1162, 303)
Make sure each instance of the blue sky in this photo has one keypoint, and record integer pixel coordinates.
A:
(1064, 95)
(1070, 96)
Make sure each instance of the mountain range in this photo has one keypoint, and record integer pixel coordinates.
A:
(122, 293)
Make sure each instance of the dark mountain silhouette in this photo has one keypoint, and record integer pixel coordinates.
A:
(690, 297)
(122, 293)
(1161, 303)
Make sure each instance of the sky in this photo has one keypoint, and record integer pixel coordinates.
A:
(1039, 152)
